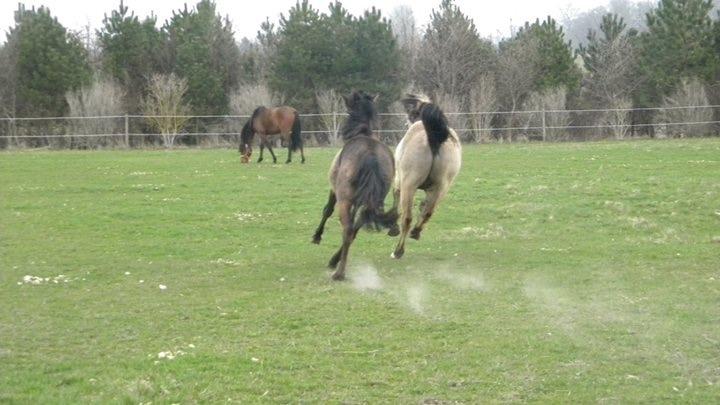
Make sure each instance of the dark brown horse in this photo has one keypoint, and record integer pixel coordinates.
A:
(360, 177)
(268, 123)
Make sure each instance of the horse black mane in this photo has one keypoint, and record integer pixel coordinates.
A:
(362, 115)
(432, 117)
(247, 134)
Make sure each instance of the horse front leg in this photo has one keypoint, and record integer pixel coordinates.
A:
(262, 148)
(327, 212)
(269, 146)
(289, 159)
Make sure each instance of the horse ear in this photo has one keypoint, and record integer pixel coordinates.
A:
(410, 103)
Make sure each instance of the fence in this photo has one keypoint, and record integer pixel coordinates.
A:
(322, 129)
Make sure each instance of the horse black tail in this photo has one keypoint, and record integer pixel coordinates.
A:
(247, 133)
(371, 187)
(436, 126)
(295, 135)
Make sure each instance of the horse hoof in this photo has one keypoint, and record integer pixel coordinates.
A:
(286, 162)
(316, 239)
(394, 231)
(338, 276)
(415, 234)
(259, 160)
(398, 254)
(302, 161)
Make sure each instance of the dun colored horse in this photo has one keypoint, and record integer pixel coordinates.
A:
(360, 177)
(427, 158)
(268, 123)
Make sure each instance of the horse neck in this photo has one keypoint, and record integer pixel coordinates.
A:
(247, 132)
(358, 124)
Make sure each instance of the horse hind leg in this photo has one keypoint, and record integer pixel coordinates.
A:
(335, 259)
(349, 232)
(395, 229)
(327, 212)
(432, 198)
(406, 204)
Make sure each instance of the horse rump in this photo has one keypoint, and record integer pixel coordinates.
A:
(371, 186)
(295, 134)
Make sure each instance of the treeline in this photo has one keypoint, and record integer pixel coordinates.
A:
(191, 64)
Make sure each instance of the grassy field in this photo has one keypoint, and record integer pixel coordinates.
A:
(554, 273)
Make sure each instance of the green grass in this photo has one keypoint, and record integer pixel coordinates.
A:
(555, 273)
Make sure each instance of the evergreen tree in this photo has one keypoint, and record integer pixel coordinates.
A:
(317, 52)
(202, 50)
(130, 51)
(48, 62)
(8, 77)
(555, 58)
(303, 57)
(678, 44)
(612, 28)
(377, 56)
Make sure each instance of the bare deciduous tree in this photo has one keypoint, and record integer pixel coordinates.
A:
(452, 56)
(516, 75)
(331, 106)
(408, 38)
(483, 99)
(548, 114)
(613, 75)
(164, 106)
(248, 97)
(690, 93)
(577, 23)
(618, 119)
(102, 98)
(452, 106)
(611, 62)
(397, 122)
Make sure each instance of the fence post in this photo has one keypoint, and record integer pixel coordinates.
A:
(12, 132)
(544, 127)
(127, 131)
(335, 128)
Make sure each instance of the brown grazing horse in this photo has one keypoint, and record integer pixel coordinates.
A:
(427, 158)
(269, 122)
(360, 177)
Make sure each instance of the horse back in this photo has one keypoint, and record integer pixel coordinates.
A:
(280, 120)
(275, 120)
(418, 167)
(349, 160)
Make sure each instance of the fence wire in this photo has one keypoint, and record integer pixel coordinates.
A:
(544, 125)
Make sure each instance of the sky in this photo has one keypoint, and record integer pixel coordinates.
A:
(493, 18)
